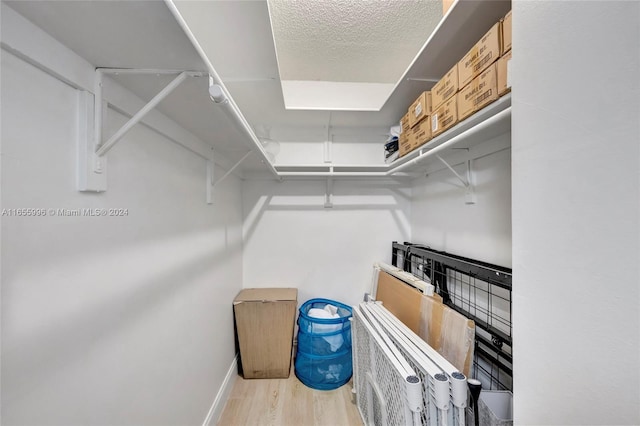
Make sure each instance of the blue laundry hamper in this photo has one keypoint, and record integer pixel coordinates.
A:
(323, 358)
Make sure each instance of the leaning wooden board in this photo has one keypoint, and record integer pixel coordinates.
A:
(406, 303)
(400, 299)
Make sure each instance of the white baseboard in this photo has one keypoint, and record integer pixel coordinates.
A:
(223, 394)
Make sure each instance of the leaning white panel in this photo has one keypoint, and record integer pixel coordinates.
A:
(428, 362)
(385, 384)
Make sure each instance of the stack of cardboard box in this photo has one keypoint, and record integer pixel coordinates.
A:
(482, 73)
(418, 131)
(477, 74)
(477, 80)
(445, 113)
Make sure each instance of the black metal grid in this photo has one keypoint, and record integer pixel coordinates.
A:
(478, 290)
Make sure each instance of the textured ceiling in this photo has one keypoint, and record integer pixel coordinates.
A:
(349, 40)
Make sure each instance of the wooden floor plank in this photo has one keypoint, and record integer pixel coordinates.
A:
(283, 402)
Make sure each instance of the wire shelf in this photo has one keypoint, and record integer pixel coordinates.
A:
(478, 290)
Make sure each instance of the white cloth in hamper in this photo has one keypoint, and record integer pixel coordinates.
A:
(329, 312)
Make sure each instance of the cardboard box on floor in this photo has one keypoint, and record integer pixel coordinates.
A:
(265, 319)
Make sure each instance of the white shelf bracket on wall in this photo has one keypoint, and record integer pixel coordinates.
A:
(211, 184)
(328, 196)
(92, 149)
(470, 196)
(224, 176)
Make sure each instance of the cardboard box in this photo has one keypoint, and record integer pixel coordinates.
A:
(484, 53)
(405, 145)
(265, 318)
(446, 5)
(421, 133)
(504, 74)
(445, 88)
(506, 33)
(417, 136)
(404, 123)
(444, 117)
(405, 129)
(420, 108)
(479, 93)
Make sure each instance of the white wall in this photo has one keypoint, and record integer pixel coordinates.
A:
(576, 234)
(291, 240)
(306, 145)
(441, 219)
(110, 320)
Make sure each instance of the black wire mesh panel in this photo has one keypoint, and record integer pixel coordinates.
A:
(478, 290)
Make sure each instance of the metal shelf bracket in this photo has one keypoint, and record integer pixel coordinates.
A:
(470, 195)
(92, 149)
(210, 177)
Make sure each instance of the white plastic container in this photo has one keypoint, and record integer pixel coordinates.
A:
(495, 408)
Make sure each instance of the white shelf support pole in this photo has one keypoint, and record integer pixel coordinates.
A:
(328, 196)
(210, 180)
(328, 143)
(105, 147)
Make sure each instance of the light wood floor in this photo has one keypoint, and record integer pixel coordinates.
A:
(284, 402)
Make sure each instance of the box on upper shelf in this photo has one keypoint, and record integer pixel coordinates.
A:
(421, 133)
(405, 145)
(405, 141)
(482, 54)
(479, 93)
(446, 87)
(404, 123)
(420, 108)
(506, 33)
(504, 74)
(417, 136)
(404, 129)
(444, 117)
